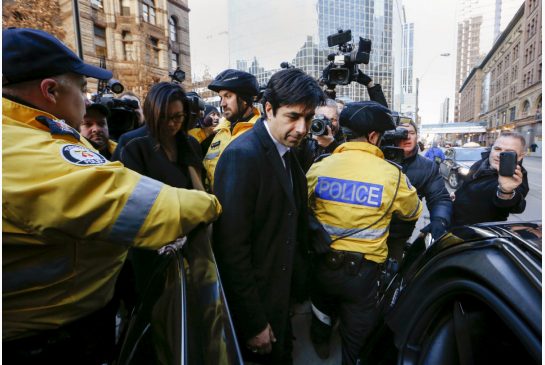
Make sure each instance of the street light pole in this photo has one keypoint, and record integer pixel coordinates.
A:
(416, 109)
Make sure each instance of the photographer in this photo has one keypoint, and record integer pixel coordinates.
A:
(95, 128)
(355, 207)
(425, 177)
(316, 145)
(487, 196)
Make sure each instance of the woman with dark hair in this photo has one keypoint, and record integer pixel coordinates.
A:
(166, 153)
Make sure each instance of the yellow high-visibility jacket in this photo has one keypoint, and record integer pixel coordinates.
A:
(353, 188)
(68, 218)
(221, 140)
(198, 133)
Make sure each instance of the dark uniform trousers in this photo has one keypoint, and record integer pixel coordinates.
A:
(344, 285)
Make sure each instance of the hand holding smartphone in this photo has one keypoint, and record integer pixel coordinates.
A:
(508, 163)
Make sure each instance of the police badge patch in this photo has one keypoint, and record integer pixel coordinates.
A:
(81, 156)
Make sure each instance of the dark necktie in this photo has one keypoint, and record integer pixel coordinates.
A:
(287, 165)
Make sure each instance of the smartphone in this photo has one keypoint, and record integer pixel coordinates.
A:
(508, 163)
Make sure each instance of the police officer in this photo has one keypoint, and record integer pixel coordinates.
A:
(237, 90)
(353, 194)
(68, 215)
(205, 128)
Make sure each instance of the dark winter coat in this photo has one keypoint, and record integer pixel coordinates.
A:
(141, 155)
(425, 177)
(477, 201)
(260, 240)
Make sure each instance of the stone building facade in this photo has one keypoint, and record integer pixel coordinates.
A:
(141, 41)
(505, 90)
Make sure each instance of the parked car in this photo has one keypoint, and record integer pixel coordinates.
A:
(472, 297)
(457, 162)
(183, 318)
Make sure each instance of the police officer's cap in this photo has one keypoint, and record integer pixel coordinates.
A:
(31, 54)
(363, 117)
(240, 82)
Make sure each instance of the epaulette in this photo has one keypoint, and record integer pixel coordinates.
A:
(321, 157)
(58, 127)
(395, 164)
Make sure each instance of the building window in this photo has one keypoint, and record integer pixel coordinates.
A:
(512, 114)
(128, 54)
(153, 54)
(97, 4)
(174, 60)
(125, 7)
(525, 108)
(172, 29)
(148, 11)
(100, 42)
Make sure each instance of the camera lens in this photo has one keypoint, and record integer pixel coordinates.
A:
(317, 127)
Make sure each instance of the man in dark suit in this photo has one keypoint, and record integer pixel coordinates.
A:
(260, 239)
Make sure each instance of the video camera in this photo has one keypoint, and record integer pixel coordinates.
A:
(391, 138)
(319, 125)
(123, 113)
(343, 66)
(195, 106)
(194, 102)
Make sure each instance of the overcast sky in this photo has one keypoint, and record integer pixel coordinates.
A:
(435, 33)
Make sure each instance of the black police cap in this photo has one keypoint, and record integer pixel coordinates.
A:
(31, 54)
(363, 117)
(240, 82)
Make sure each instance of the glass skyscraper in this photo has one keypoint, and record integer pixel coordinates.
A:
(264, 36)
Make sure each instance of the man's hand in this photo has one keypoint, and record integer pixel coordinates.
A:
(437, 228)
(325, 140)
(364, 79)
(509, 183)
(262, 343)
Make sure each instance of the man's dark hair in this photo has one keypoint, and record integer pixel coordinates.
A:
(290, 87)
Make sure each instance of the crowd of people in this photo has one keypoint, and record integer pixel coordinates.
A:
(295, 216)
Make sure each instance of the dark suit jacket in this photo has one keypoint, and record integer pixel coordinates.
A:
(260, 238)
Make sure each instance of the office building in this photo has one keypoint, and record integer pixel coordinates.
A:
(479, 25)
(302, 40)
(505, 89)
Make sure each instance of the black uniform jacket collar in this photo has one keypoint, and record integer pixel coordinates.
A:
(275, 160)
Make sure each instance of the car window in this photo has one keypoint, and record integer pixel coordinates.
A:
(469, 154)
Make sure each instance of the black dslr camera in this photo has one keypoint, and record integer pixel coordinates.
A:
(343, 66)
(391, 138)
(195, 106)
(319, 125)
(123, 113)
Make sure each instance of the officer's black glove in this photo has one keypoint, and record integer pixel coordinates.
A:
(437, 228)
(363, 78)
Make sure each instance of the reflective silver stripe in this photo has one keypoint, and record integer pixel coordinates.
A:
(365, 234)
(413, 213)
(324, 318)
(136, 210)
(36, 275)
(211, 156)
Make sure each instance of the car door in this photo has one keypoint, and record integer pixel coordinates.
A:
(183, 317)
